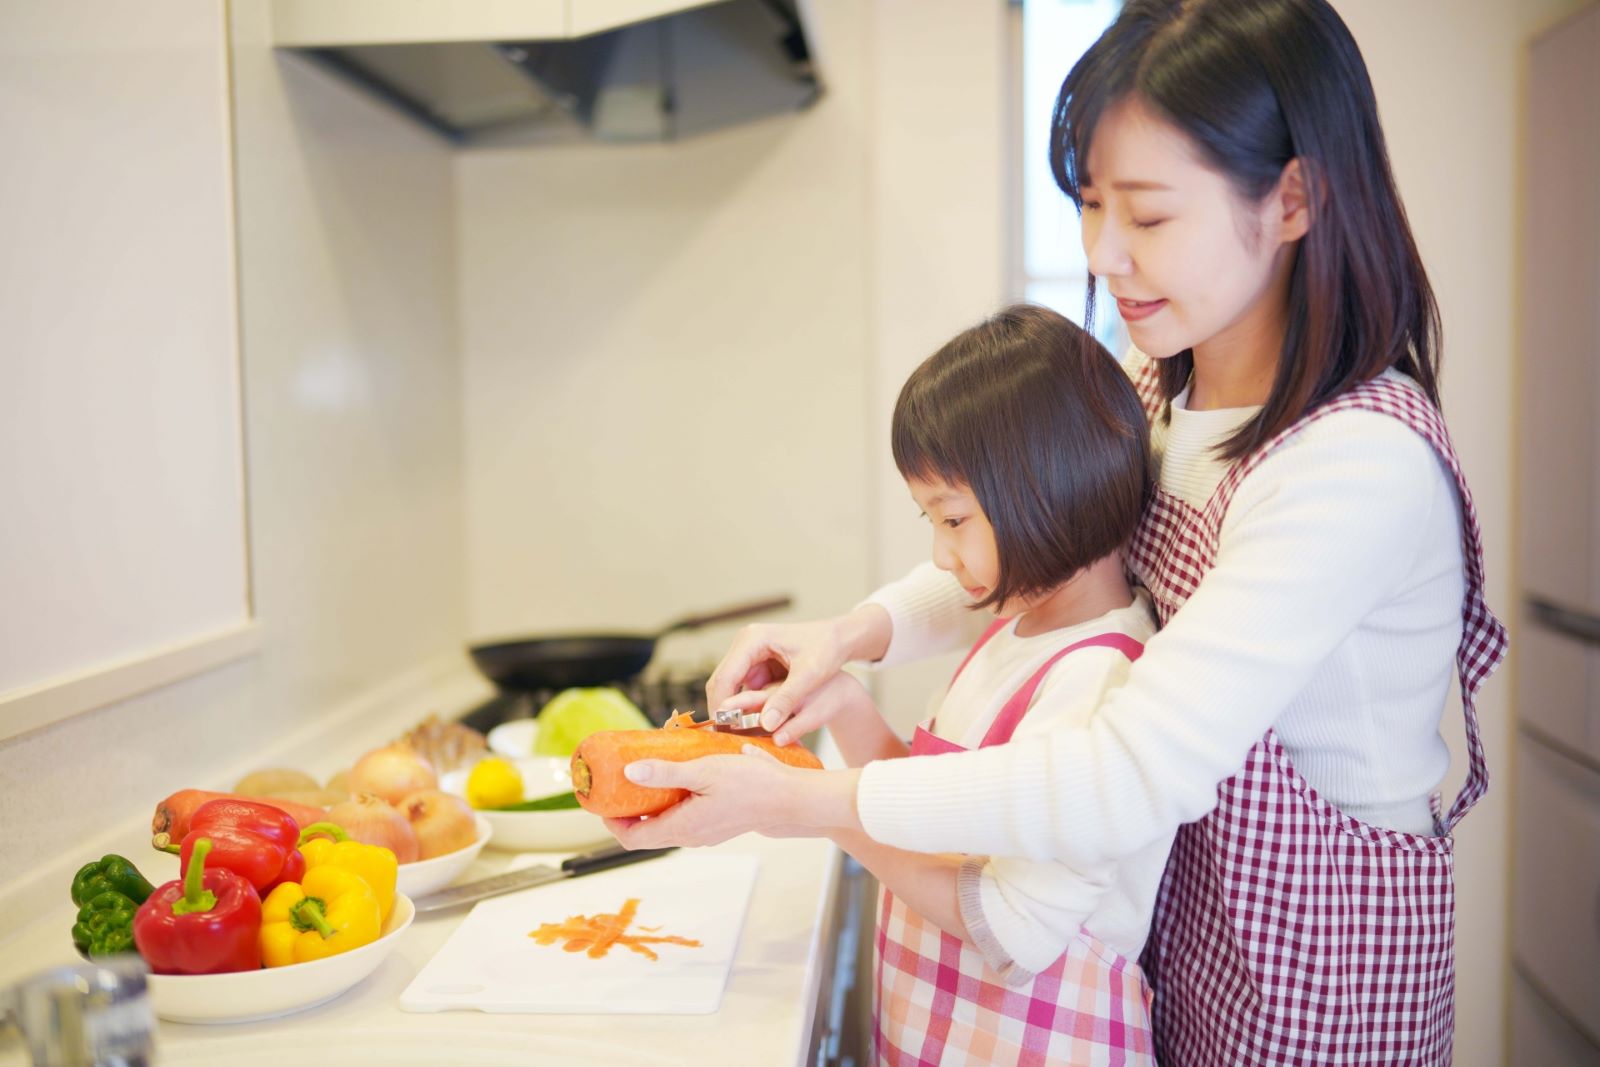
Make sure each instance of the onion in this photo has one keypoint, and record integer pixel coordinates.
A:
(392, 772)
(370, 820)
(443, 822)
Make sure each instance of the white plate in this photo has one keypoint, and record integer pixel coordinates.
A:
(421, 877)
(244, 996)
(542, 776)
(514, 739)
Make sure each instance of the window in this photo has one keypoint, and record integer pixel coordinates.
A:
(1049, 263)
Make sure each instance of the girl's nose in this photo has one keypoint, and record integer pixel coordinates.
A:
(943, 558)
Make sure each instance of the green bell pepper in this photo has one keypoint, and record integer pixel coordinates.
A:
(113, 873)
(105, 925)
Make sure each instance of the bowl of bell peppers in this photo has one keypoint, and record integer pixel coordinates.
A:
(266, 917)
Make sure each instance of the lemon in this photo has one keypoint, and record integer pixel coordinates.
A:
(574, 714)
(494, 783)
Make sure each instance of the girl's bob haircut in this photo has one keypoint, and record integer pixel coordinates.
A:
(1031, 413)
(1255, 84)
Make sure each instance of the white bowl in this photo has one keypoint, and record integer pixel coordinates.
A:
(245, 996)
(514, 739)
(421, 877)
(545, 831)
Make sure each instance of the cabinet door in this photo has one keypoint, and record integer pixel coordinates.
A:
(1558, 429)
(1556, 911)
(1541, 1037)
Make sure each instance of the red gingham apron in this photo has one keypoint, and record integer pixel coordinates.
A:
(940, 1003)
(1285, 931)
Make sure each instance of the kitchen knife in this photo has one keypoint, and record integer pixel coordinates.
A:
(599, 859)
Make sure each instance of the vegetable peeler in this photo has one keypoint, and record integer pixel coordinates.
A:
(733, 721)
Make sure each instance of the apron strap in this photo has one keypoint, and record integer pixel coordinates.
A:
(1483, 637)
(983, 639)
(1005, 724)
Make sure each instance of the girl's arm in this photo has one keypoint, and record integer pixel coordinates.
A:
(859, 729)
(925, 882)
(920, 615)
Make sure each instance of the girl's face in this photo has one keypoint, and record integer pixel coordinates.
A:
(963, 540)
(1189, 263)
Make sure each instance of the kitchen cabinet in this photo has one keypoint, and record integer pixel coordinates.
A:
(123, 551)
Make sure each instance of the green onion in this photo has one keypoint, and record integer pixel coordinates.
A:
(558, 802)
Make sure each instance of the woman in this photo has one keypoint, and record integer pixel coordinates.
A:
(1312, 552)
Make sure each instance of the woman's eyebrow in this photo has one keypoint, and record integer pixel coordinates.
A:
(1140, 187)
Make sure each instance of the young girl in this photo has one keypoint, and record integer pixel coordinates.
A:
(1312, 551)
(1024, 445)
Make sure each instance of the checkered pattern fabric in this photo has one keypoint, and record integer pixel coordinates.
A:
(939, 1002)
(1285, 931)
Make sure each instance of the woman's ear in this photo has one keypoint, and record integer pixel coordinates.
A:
(1292, 202)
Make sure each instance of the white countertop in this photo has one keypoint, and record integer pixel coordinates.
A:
(765, 1018)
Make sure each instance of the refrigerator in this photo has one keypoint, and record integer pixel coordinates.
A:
(1555, 956)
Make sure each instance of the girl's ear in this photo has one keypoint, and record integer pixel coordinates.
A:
(1292, 202)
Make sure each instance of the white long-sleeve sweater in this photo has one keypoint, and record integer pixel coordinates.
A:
(1332, 613)
(1021, 914)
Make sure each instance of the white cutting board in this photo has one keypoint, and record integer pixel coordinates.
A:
(491, 964)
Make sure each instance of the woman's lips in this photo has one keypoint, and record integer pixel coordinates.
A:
(976, 592)
(1134, 310)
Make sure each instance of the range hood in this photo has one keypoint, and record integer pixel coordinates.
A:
(488, 71)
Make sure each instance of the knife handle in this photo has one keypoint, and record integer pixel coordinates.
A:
(613, 856)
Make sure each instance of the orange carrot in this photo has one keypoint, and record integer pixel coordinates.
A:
(601, 787)
(173, 814)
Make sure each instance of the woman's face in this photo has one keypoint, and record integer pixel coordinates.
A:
(1189, 263)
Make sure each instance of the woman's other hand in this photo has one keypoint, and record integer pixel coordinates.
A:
(794, 660)
(732, 795)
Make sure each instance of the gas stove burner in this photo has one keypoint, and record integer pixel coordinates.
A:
(657, 697)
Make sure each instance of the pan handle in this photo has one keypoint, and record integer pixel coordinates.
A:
(738, 611)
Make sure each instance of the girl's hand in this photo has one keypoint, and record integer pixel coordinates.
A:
(799, 658)
(732, 795)
(838, 697)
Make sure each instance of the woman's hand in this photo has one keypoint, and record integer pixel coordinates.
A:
(794, 660)
(732, 795)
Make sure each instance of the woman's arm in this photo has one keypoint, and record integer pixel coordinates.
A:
(1315, 539)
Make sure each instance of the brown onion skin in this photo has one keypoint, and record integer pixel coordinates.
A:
(392, 772)
(373, 821)
(443, 822)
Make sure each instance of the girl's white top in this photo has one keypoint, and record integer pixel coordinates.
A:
(1022, 912)
(1332, 614)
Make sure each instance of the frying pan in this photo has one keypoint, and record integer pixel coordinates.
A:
(563, 661)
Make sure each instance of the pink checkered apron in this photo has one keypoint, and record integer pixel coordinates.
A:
(1285, 931)
(940, 1003)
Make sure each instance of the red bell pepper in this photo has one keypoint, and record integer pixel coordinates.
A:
(252, 839)
(208, 922)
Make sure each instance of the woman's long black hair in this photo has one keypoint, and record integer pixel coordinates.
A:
(1254, 84)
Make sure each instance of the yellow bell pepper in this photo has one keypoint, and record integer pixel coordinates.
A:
(329, 911)
(374, 863)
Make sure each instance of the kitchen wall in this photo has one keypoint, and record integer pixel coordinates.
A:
(679, 359)
(346, 255)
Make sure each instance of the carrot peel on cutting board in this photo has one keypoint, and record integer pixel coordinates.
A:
(601, 787)
(596, 935)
